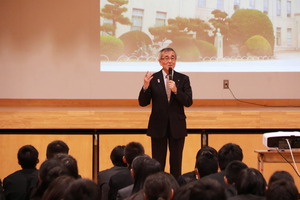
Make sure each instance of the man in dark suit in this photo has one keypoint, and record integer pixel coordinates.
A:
(116, 158)
(169, 92)
(19, 185)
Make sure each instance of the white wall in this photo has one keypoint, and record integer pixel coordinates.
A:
(50, 49)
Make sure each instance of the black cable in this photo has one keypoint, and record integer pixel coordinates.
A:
(287, 161)
(256, 104)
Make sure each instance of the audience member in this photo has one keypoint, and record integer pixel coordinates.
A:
(227, 153)
(232, 172)
(82, 189)
(49, 170)
(55, 147)
(116, 157)
(57, 187)
(206, 164)
(142, 167)
(192, 176)
(124, 178)
(174, 184)
(208, 189)
(158, 186)
(282, 189)
(19, 185)
(278, 175)
(250, 185)
(70, 163)
(202, 189)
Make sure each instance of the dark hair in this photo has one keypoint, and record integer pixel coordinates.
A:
(174, 184)
(142, 167)
(233, 170)
(28, 157)
(132, 150)
(157, 186)
(82, 189)
(207, 148)
(282, 190)
(229, 152)
(278, 175)
(207, 189)
(116, 156)
(251, 181)
(69, 162)
(49, 170)
(207, 163)
(55, 147)
(57, 187)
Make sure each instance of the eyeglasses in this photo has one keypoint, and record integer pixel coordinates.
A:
(167, 59)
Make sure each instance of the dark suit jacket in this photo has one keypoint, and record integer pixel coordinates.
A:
(219, 176)
(18, 184)
(125, 192)
(186, 178)
(119, 181)
(164, 112)
(103, 180)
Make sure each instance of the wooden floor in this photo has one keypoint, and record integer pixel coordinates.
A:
(19, 115)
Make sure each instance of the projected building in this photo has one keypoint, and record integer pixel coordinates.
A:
(284, 14)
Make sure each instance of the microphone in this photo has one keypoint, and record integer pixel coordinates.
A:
(170, 74)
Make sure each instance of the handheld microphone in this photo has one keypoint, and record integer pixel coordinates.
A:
(170, 74)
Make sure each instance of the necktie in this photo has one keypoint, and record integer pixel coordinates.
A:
(168, 90)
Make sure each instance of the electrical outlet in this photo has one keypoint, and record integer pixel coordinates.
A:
(225, 84)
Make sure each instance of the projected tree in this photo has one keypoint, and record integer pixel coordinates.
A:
(181, 27)
(246, 23)
(113, 15)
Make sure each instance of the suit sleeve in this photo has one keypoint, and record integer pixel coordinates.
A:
(184, 93)
(145, 97)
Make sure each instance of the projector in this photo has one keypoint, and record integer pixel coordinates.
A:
(279, 139)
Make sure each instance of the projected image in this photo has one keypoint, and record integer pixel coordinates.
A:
(208, 36)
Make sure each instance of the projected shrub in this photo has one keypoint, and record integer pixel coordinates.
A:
(257, 45)
(206, 49)
(111, 47)
(246, 23)
(135, 40)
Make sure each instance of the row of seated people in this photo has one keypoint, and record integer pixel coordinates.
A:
(218, 175)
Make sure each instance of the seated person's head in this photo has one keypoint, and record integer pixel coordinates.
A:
(69, 162)
(278, 175)
(233, 170)
(282, 189)
(82, 189)
(57, 187)
(55, 147)
(142, 167)
(229, 152)
(28, 157)
(49, 170)
(132, 150)
(207, 148)
(158, 186)
(251, 181)
(116, 156)
(207, 189)
(206, 163)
